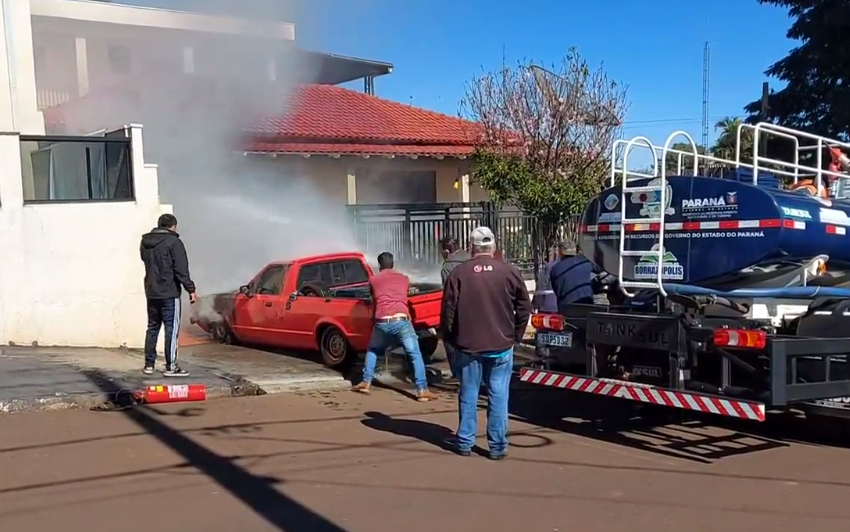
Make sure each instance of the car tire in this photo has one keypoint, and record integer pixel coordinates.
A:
(222, 333)
(428, 346)
(334, 347)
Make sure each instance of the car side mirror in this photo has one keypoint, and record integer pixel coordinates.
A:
(244, 290)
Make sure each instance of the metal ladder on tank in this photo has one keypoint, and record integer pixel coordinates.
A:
(661, 189)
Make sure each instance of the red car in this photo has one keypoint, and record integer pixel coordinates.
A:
(315, 303)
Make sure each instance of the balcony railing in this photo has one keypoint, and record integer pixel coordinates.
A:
(51, 98)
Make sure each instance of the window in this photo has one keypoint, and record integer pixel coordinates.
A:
(396, 186)
(119, 59)
(270, 282)
(333, 274)
(76, 168)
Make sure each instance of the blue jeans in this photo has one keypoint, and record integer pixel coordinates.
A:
(163, 314)
(495, 369)
(395, 332)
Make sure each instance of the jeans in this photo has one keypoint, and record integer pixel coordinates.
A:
(395, 332)
(163, 313)
(495, 369)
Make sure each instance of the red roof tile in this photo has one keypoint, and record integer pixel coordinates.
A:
(406, 150)
(333, 113)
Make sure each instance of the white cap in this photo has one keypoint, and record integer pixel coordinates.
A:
(482, 236)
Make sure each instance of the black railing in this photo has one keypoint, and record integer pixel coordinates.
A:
(413, 231)
(75, 169)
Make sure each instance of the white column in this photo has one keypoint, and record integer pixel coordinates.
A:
(18, 97)
(351, 185)
(464, 188)
(82, 53)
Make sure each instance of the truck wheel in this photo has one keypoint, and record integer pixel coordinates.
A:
(428, 346)
(334, 347)
(221, 333)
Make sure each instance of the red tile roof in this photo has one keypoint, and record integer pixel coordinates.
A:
(325, 119)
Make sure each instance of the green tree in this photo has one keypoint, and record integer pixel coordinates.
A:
(816, 96)
(726, 144)
(544, 136)
(683, 151)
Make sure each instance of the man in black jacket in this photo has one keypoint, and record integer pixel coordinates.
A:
(485, 313)
(166, 271)
(452, 257)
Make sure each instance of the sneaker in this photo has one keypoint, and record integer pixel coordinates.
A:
(363, 387)
(176, 371)
(148, 370)
(497, 456)
(424, 396)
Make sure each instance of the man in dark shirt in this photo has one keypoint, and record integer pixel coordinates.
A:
(390, 291)
(485, 313)
(166, 271)
(571, 277)
(453, 256)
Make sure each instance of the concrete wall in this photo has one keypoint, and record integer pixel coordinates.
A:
(70, 273)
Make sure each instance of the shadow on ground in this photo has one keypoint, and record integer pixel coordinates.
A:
(664, 431)
(256, 492)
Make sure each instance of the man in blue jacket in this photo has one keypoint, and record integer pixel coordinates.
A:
(571, 277)
(166, 272)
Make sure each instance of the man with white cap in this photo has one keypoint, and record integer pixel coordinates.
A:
(485, 313)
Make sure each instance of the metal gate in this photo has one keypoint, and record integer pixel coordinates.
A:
(412, 232)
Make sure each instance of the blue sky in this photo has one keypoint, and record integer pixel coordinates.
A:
(653, 46)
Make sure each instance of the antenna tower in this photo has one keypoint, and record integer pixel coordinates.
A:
(706, 75)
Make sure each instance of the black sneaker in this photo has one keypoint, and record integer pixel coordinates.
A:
(148, 370)
(176, 371)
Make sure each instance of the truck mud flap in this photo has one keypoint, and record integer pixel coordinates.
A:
(684, 400)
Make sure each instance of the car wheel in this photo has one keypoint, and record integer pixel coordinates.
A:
(334, 347)
(221, 333)
(428, 346)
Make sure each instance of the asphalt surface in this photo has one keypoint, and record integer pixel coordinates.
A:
(337, 461)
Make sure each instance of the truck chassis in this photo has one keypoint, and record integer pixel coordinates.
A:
(726, 366)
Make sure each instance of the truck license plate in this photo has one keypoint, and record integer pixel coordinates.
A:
(555, 339)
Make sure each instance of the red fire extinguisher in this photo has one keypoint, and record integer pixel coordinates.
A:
(173, 393)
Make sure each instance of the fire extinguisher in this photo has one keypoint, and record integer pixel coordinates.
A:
(174, 393)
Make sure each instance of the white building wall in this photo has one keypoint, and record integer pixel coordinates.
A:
(70, 273)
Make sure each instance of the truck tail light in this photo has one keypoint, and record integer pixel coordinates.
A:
(740, 338)
(549, 322)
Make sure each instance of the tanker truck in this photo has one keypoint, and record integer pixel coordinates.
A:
(736, 283)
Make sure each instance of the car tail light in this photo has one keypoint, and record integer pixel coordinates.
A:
(740, 338)
(549, 322)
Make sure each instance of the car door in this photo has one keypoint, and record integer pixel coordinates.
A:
(258, 316)
(304, 311)
(354, 314)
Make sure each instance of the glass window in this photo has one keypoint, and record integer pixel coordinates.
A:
(355, 272)
(270, 282)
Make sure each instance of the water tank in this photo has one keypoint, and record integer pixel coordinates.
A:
(715, 228)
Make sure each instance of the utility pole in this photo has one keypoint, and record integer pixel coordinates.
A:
(763, 109)
(706, 75)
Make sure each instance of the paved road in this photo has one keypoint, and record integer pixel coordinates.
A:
(340, 462)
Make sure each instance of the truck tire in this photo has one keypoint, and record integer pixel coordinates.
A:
(313, 289)
(428, 346)
(334, 347)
